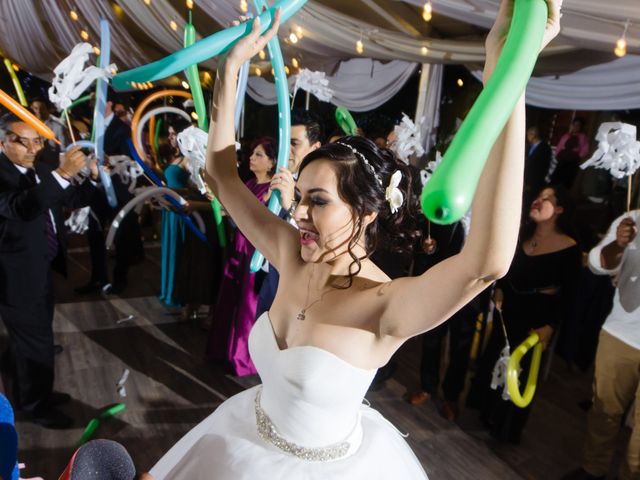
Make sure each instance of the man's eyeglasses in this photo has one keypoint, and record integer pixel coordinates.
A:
(36, 142)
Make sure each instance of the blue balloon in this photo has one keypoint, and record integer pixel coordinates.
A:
(202, 50)
(82, 144)
(241, 91)
(284, 124)
(98, 114)
(154, 178)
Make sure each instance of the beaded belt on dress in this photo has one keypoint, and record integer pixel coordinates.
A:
(269, 433)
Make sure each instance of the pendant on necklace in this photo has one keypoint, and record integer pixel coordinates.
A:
(301, 316)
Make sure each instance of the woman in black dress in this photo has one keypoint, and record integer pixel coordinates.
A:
(536, 295)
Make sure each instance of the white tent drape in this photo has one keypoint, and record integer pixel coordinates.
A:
(360, 84)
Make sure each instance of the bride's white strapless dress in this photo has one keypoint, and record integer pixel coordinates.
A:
(306, 421)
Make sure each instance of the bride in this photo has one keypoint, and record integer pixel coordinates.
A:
(337, 317)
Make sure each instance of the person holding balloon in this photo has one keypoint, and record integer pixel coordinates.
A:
(176, 176)
(536, 295)
(337, 317)
(235, 312)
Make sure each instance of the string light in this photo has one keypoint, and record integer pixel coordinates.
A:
(73, 14)
(96, 50)
(359, 47)
(148, 2)
(15, 66)
(244, 7)
(262, 55)
(293, 38)
(294, 62)
(173, 25)
(424, 50)
(621, 44)
(258, 72)
(460, 82)
(194, 115)
(185, 85)
(84, 34)
(190, 4)
(427, 11)
(299, 32)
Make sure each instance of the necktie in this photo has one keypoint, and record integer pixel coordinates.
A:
(50, 233)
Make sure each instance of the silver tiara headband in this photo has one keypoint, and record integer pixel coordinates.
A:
(364, 159)
(392, 193)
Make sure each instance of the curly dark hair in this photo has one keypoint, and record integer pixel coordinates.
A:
(359, 188)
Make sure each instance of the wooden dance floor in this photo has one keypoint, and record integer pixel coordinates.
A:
(171, 388)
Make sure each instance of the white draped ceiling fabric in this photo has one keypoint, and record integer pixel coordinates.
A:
(39, 33)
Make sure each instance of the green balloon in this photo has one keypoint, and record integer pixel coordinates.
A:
(203, 121)
(194, 79)
(346, 122)
(447, 196)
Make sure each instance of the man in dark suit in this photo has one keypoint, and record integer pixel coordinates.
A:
(32, 242)
(536, 165)
(128, 242)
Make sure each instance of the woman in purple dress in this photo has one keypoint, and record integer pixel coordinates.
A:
(235, 312)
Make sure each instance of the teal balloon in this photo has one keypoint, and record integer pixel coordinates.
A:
(202, 50)
(284, 124)
(447, 196)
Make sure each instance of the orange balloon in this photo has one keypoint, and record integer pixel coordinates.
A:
(143, 105)
(27, 116)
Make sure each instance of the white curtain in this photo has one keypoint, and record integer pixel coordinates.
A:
(428, 108)
(360, 84)
(593, 24)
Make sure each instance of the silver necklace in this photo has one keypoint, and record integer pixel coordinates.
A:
(302, 315)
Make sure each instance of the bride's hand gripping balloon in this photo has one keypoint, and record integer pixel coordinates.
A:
(521, 29)
(250, 45)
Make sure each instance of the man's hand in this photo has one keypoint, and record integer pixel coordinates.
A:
(72, 162)
(284, 182)
(626, 232)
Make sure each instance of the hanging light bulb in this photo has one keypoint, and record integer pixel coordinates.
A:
(173, 25)
(293, 38)
(148, 2)
(427, 11)
(621, 44)
(360, 47)
(294, 62)
(96, 50)
(84, 34)
(262, 55)
(460, 82)
(194, 115)
(73, 14)
(190, 4)
(424, 50)
(244, 7)
(185, 85)
(299, 32)
(15, 66)
(258, 71)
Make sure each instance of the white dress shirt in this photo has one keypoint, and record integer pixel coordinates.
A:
(624, 320)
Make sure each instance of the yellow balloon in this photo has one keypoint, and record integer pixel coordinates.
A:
(513, 370)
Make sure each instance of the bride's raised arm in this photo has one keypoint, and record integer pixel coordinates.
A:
(251, 216)
(418, 304)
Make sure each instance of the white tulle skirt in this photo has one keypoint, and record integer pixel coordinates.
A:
(226, 446)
